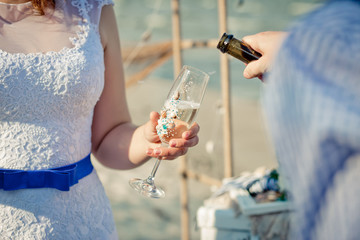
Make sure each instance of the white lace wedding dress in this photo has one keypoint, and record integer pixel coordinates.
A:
(51, 76)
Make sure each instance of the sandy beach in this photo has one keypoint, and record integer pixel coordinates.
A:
(141, 218)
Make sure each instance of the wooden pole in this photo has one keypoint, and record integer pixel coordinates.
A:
(225, 90)
(146, 71)
(176, 32)
(203, 178)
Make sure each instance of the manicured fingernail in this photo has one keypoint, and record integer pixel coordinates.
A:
(149, 151)
(172, 144)
(186, 134)
(157, 152)
(246, 74)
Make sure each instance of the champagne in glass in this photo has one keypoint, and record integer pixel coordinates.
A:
(178, 113)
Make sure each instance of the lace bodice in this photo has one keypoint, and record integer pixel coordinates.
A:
(47, 99)
(51, 76)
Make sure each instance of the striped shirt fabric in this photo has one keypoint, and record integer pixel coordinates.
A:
(311, 102)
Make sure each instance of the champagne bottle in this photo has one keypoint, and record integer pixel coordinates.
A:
(237, 48)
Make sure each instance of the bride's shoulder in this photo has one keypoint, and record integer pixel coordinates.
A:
(90, 3)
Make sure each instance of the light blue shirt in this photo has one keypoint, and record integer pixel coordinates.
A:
(312, 107)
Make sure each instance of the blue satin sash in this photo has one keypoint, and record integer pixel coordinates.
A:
(61, 178)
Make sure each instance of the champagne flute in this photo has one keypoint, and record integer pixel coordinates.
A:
(177, 115)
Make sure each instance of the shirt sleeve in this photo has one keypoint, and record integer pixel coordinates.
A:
(311, 105)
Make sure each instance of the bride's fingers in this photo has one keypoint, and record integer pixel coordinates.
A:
(166, 153)
(192, 132)
(172, 153)
(180, 143)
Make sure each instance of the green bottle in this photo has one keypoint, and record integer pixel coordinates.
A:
(236, 48)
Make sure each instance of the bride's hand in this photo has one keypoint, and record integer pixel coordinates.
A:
(177, 146)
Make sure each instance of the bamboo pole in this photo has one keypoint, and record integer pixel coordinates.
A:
(149, 69)
(203, 178)
(225, 90)
(161, 52)
(188, 43)
(176, 34)
(176, 31)
(154, 50)
(147, 52)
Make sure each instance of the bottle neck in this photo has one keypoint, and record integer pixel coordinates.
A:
(224, 42)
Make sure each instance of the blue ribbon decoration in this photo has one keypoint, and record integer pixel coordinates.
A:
(61, 178)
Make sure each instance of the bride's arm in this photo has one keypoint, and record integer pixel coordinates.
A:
(116, 142)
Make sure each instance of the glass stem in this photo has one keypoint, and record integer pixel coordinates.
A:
(151, 178)
(155, 168)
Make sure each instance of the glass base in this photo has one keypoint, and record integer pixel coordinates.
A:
(147, 188)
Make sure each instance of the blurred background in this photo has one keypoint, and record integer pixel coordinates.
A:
(143, 22)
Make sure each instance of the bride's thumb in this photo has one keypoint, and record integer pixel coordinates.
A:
(150, 127)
